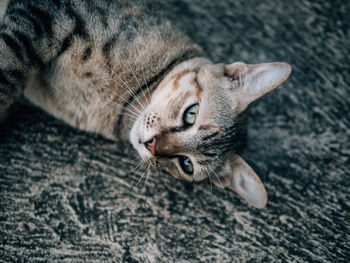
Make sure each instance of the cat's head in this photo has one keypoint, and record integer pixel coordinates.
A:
(191, 127)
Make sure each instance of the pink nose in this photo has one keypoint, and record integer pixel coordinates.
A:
(151, 145)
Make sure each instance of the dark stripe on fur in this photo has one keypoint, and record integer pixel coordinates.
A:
(107, 47)
(211, 136)
(80, 25)
(205, 162)
(57, 3)
(17, 15)
(43, 17)
(17, 75)
(209, 154)
(9, 86)
(66, 44)
(6, 87)
(87, 54)
(13, 45)
(79, 30)
(33, 57)
(220, 145)
(102, 14)
(3, 79)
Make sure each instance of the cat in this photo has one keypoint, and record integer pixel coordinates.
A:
(118, 68)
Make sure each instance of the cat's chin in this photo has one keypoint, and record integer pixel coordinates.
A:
(135, 141)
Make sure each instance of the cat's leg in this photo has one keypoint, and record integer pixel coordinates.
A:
(28, 42)
(32, 35)
(13, 71)
(18, 57)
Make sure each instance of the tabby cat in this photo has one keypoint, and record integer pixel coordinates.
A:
(119, 69)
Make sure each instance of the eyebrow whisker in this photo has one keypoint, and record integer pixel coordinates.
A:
(213, 171)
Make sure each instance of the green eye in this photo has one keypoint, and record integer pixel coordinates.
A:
(186, 164)
(190, 114)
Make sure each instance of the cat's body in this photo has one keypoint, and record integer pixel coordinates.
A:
(107, 66)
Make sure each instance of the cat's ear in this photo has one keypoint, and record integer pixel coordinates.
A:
(256, 80)
(241, 178)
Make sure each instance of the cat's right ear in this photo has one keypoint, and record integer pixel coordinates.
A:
(240, 177)
(255, 80)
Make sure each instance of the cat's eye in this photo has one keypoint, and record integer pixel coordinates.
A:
(186, 164)
(190, 114)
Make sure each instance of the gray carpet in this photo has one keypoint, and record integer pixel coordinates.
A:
(68, 196)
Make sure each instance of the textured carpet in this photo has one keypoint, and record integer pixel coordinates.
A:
(68, 196)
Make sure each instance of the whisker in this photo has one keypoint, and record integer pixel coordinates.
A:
(147, 175)
(138, 166)
(132, 117)
(136, 80)
(208, 174)
(158, 170)
(213, 171)
(145, 82)
(121, 98)
(128, 87)
(135, 115)
(147, 88)
(143, 174)
(130, 114)
(211, 183)
(137, 159)
(136, 186)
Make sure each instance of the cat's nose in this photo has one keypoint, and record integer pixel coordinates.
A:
(151, 145)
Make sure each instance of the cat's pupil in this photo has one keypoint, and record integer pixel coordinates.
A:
(190, 115)
(186, 164)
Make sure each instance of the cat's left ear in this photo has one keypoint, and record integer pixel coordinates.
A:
(240, 177)
(256, 80)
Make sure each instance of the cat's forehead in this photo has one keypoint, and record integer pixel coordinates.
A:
(177, 84)
(177, 93)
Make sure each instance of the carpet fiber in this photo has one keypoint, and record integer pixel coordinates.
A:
(69, 196)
